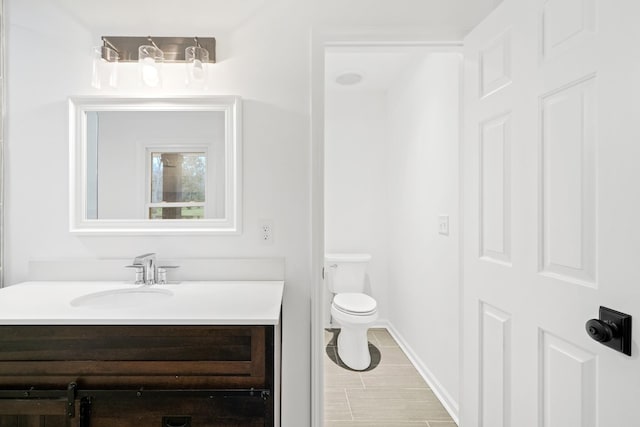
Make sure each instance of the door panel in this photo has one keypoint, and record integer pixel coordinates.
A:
(495, 65)
(495, 189)
(568, 383)
(495, 367)
(568, 171)
(551, 209)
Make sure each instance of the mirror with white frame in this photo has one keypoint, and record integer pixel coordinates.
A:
(155, 165)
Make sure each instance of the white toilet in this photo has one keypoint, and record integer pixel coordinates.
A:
(351, 308)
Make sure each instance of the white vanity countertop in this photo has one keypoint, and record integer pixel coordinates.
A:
(192, 303)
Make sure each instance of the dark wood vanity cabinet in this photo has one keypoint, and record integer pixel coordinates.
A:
(142, 376)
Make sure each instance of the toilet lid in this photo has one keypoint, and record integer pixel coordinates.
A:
(355, 303)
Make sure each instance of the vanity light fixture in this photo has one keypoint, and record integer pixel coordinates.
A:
(152, 52)
(105, 70)
(196, 58)
(150, 58)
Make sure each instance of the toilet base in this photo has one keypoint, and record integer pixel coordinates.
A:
(353, 347)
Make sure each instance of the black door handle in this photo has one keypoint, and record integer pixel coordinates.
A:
(612, 329)
(602, 330)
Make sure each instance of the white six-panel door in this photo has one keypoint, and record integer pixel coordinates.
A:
(551, 164)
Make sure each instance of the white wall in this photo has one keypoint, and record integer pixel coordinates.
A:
(356, 205)
(424, 265)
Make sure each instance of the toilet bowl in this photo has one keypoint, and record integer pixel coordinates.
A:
(355, 313)
(351, 308)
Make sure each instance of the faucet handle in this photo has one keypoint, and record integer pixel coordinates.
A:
(162, 273)
(141, 258)
(139, 273)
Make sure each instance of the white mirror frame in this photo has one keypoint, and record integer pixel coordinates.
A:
(78, 222)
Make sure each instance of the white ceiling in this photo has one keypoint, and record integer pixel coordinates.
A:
(161, 17)
(380, 67)
(440, 18)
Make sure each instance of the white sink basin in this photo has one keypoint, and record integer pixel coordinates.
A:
(123, 297)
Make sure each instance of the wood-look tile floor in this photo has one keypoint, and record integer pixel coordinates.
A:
(390, 393)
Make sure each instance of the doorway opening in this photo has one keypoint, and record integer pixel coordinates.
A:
(390, 189)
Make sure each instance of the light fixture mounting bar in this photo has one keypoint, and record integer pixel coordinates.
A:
(172, 47)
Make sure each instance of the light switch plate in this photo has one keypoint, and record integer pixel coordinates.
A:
(443, 224)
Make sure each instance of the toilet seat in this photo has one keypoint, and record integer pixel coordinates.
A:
(356, 304)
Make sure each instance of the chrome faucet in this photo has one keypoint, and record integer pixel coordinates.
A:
(147, 272)
(148, 264)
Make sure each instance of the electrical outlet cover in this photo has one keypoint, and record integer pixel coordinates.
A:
(266, 231)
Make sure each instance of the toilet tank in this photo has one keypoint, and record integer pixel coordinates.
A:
(346, 272)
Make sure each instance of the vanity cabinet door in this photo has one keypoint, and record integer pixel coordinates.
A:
(134, 356)
(138, 376)
(162, 412)
(33, 421)
(40, 413)
(236, 412)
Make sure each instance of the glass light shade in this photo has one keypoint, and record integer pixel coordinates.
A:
(196, 58)
(105, 67)
(150, 60)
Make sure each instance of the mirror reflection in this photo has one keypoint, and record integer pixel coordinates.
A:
(155, 164)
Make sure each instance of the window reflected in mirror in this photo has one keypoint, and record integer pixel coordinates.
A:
(178, 185)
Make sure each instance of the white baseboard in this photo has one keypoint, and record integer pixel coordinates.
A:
(449, 403)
